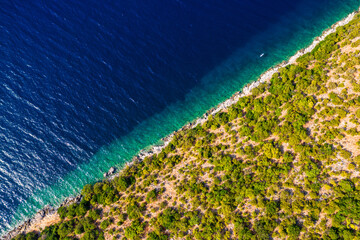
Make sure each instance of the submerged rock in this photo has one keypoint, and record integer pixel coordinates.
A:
(110, 172)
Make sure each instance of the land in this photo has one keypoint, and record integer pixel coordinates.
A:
(281, 161)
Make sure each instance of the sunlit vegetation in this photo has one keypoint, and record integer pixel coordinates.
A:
(281, 163)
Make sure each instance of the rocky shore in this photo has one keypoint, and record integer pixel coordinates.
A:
(50, 211)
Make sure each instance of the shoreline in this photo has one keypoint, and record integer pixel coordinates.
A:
(49, 211)
(246, 90)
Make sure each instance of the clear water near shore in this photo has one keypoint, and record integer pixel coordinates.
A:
(292, 31)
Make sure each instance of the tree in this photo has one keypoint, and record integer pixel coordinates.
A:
(65, 228)
(135, 230)
(133, 211)
(90, 235)
(87, 192)
(94, 213)
(82, 208)
(155, 236)
(293, 231)
(32, 236)
(104, 224)
(272, 208)
(79, 228)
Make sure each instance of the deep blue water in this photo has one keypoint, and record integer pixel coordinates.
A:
(78, 75)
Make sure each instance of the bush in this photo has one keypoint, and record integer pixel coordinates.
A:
(122, 183)
(104, 224)
(94, 214)
(293, 231)
(346, 186)
(65, 228)
(155, 236)
(88, 224)
(82, 208)
(133, 211)
(62, 211)
(79, 228)
(168, 218)
(152, 195)
(135, 230)
(272, 208)
(93, 235)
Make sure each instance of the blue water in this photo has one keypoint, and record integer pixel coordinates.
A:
(84, 85)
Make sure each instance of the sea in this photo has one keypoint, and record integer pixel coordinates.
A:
(85, 85)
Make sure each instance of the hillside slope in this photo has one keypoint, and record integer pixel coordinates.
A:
(281, 163)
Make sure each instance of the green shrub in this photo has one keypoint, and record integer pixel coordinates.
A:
(133, 211)
(135, 230)
(104, 224)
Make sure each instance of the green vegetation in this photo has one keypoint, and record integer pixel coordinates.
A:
(282, 163)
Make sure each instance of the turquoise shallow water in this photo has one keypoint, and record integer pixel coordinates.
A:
(293, 32)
